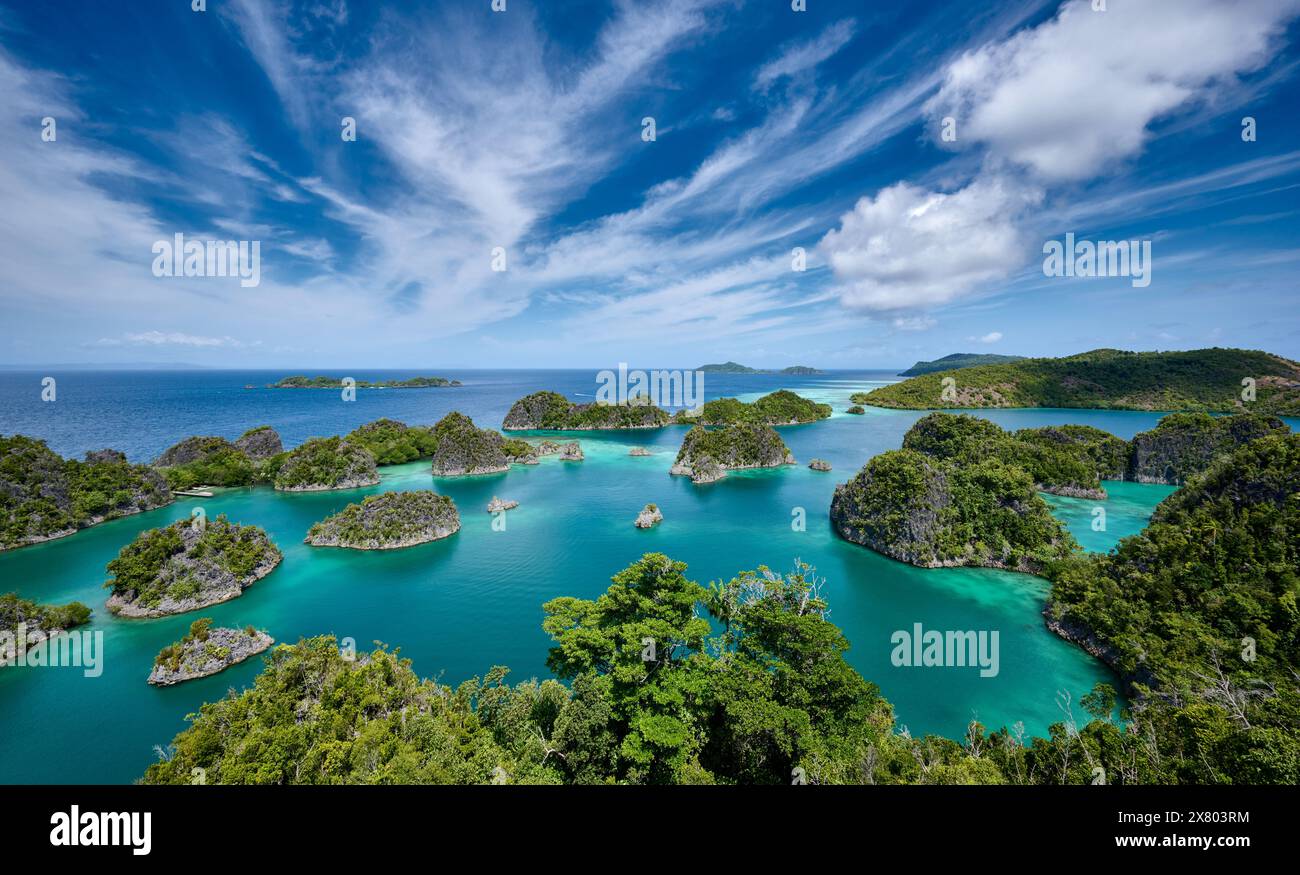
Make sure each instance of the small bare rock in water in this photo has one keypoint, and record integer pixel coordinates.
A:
(638, 451)
(819, 465)
(496, 505)
(649, 516)
(571, 452)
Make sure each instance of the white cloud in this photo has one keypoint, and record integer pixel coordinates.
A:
(1078, 92)
(805, 55)
(991, 337)
(913, 323)
(171, 338)
(909, 249)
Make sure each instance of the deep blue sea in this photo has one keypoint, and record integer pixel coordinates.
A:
(459, 606)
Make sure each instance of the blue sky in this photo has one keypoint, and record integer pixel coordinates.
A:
(522, 129)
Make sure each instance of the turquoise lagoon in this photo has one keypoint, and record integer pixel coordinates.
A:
(459, 606)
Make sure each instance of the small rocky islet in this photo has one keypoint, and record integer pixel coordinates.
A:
(187, 566)
(387, 521)
(649, 517)
(206, 651)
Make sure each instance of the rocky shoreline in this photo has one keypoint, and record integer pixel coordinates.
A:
(649, 517)
(183, 567)
(388, 521)
(706, 456)
(207, 653)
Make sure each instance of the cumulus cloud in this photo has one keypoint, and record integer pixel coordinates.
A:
(991, 337)
(1078, 92)
(908, 248)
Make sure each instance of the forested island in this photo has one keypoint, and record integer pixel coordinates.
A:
(737, 368)
(782, 407)
(206, 651)
(1205, 380)
(706, 455)
(388, 521)
(326, 463)
(933, 512)
(37, 622)
(552, 411)
(299, 381)
(188, 565)
(962, 491)
(958, 360)
(464, 448)
(214, 461)
(44, 496)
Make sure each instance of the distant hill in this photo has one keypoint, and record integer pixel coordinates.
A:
(1209, 380)
(958, 360)
(728, 368)
(737, 368)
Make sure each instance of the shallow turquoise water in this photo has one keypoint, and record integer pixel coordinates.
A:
(459, 606)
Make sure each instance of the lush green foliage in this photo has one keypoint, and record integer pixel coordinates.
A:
(42, 494)
(1053, 465)
(928, 510)
(172, 654)
(15, 610)
(552, 411)
(464, 448)
(517, 448)
(1099, 450)
(734, 446)
(146, 570)
(958, 360)
(325, 462)
(210, 461)
(768, 693)
(392, 442)
(1199, 610)
(1205, 379)
(782, 407)
(1183, 444)
(387, 519)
